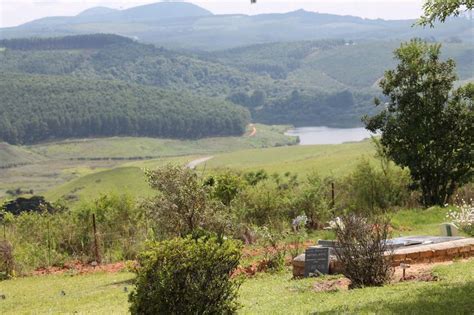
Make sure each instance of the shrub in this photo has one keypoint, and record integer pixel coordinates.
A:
(183, 203)
(361, 247)
(312, 200)
(263, 204)
(225, 186)
(371, 190)
(187, 276)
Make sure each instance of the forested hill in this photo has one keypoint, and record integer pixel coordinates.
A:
(325, 82)
(104, 56)
(38, 107)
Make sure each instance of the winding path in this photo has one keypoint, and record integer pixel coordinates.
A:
(192, 165)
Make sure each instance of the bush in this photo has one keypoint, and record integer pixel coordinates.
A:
(371, 190)
(183, 203)
(225, 186)
(263, 204)
(187, 276)
(361, 250)
(312, 200)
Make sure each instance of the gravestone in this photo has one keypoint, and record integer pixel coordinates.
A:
(316, 261)
(448, 229)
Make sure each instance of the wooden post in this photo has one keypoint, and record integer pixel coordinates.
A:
(333, 203)
(96, 240)
(49, 243)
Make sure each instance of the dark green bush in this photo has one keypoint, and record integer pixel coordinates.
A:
(187, 276)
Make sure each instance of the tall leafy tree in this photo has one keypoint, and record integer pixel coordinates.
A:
(426, 125)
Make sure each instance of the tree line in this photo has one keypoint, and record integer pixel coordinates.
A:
(66, 42)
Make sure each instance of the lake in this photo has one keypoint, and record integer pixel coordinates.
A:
(326, 135)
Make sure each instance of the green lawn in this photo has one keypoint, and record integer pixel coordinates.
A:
(265, 294)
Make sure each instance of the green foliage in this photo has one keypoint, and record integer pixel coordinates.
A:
(42, 239)
(427, 126)
(274, 255)
(187, 276)
(121, 223)
(183, 203)
(262, 204)
(61, 107)
(225, 186)
(93, 41)
(312, 200)
(371, 190)
(441, 9)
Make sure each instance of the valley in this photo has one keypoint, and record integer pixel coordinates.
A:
(163, 158)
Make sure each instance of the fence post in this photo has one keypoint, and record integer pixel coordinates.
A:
(333, 203)
(96, 241)
(49, 243)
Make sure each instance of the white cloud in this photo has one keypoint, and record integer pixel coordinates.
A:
(14, 12)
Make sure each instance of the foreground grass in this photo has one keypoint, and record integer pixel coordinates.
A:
(265, 294)
(99, 293)
(278, 294)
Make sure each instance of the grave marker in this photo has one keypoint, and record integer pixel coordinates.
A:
(316, 261)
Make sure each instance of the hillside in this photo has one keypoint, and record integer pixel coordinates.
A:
(184, 25)
(102, 56)
(11, 156)
(36, 108)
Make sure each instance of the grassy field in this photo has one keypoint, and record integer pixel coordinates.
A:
(336, 160)
(133, 147)
(129, 178)
(327, 160)
(103, 293)
(45, 167)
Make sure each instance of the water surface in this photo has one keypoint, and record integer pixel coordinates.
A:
(327, 135)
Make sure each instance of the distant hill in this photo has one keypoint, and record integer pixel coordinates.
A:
(185, 25)
(36, 108)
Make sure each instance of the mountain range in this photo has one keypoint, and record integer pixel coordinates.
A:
(187, 26)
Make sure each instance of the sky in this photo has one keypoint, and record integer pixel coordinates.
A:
(15, 12)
